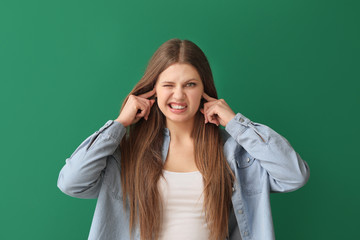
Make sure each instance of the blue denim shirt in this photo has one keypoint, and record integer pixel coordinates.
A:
(263, 162)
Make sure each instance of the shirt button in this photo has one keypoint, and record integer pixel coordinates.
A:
(241, 120)
(240, 211)
(233, 189)
(246, 233)
(248, 159)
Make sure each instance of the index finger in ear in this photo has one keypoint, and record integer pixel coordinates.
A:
(148, 94)
(207, 97)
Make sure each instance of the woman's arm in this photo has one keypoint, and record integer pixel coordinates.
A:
(82, 175)
(287, 171)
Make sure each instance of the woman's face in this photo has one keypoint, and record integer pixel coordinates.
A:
(179, 90)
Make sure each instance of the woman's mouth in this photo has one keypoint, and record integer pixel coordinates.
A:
(177, 108)
(174, 106)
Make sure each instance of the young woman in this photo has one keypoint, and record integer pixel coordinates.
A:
(164, 169)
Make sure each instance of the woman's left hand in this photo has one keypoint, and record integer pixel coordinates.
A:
(216, 111)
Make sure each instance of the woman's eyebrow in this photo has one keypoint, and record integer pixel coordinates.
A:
(191, 79)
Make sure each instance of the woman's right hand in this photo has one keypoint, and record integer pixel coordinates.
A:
(130, 114)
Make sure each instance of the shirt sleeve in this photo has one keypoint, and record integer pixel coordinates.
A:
(82, 174)
(287, 171)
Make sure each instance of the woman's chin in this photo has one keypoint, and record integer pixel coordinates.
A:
(179, 118)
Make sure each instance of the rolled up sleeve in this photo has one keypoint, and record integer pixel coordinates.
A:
(82, 174)
(287, 171)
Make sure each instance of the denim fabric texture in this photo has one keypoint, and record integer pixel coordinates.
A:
(262, 160)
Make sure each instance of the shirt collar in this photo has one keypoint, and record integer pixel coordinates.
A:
(166, 144)
(166, 131)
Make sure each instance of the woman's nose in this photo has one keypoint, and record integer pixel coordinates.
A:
(179, 93)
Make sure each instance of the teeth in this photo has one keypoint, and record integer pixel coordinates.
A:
(177, 106)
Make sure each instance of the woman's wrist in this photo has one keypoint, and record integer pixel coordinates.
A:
(118, 120)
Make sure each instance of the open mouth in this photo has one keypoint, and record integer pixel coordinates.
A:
(177, 107)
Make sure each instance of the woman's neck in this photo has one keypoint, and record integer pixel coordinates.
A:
(180, 131)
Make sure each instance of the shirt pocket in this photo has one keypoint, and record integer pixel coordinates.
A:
(249, 172)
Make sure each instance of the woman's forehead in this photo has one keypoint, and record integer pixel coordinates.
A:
(179, 72)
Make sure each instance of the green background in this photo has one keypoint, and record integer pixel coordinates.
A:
(66, 66)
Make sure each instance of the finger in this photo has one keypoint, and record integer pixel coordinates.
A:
(148, 104)
(212, 115)
(149, 109)
(207, 106)
(208, 98)
(152, 101)
(210, 107)
(148, 94)
(214, 120)
(142, 107)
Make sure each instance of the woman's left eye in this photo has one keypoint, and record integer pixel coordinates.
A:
(191, 84)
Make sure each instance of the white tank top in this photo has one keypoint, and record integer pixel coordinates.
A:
(182, 198)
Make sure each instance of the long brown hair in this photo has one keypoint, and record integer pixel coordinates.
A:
(141, 150)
